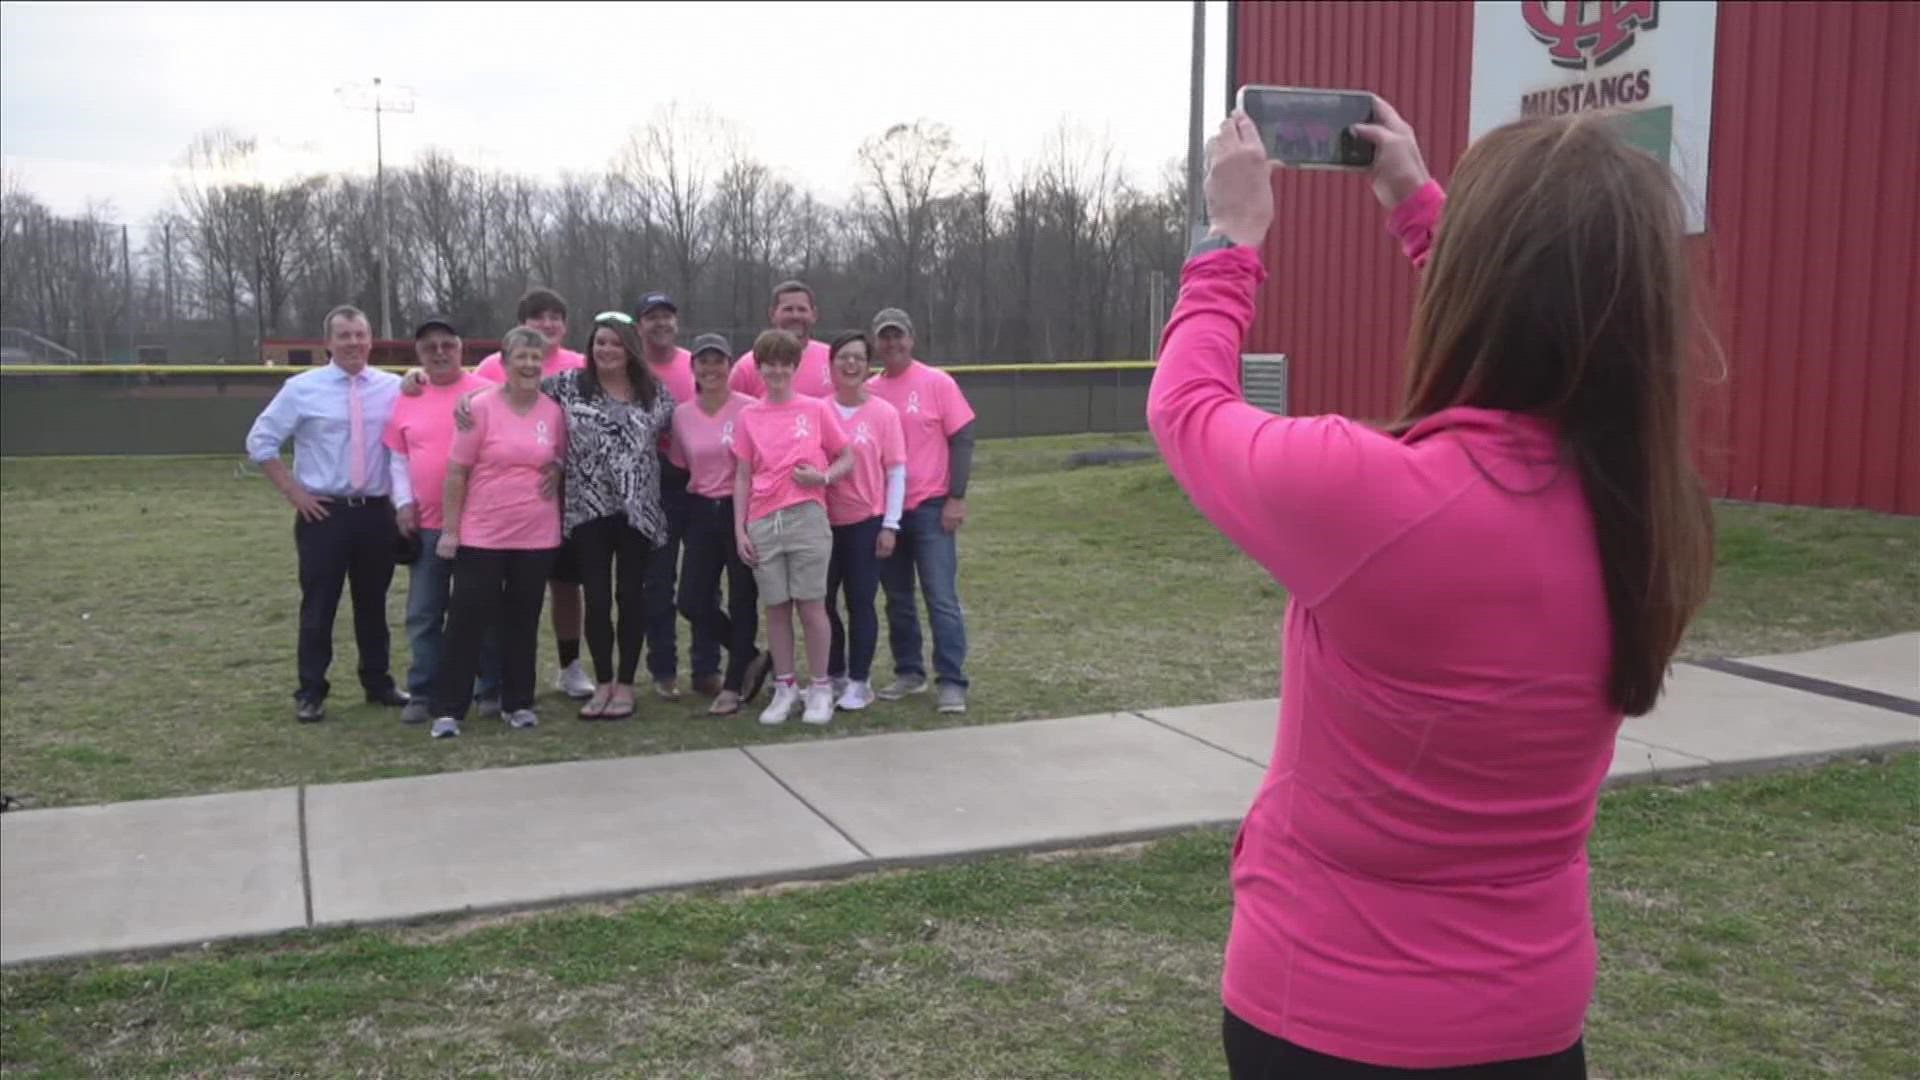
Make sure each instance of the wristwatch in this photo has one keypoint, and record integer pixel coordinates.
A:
(1209, 242)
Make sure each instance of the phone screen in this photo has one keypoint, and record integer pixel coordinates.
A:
(1310, 128)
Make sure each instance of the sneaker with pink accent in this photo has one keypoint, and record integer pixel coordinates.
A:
(785, 697)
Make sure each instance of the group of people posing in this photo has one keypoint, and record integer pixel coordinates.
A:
(631, 485)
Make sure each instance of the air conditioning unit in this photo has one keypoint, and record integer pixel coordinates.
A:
(1263, 381)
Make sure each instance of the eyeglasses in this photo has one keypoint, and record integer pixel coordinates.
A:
(614, 316)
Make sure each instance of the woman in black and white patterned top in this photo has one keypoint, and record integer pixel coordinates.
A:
(616, 412)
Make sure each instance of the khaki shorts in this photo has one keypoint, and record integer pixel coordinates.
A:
(794, 545)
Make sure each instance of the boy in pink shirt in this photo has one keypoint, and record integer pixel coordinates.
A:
(420, 436)
(501, 530)
(784, 444)
(703, 438)
(938, 423)
(864, 509)
(793, 311)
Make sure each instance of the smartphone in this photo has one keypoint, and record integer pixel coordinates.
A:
(1310, 129)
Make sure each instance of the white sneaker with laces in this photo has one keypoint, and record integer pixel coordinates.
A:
(819, 704)
(857, 696)
(574, 682)
(785, 697)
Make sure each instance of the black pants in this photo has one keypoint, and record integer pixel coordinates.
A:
(1253, 1054)
(711, 552)
(663, 661)
(356, 543)
(856, 569)
(599, 544)
(492, 589)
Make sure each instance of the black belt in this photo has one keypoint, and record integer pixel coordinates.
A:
(357, 500)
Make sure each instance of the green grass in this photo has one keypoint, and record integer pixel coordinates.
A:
(147, 614)
(1757, 928)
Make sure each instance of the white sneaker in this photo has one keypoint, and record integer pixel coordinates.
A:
(819, 704)
(857, 696)
(521, 719)
(840, 685)
(785, 697)
(574, 682)
(445, 728)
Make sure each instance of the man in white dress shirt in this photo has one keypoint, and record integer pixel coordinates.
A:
(343, 527)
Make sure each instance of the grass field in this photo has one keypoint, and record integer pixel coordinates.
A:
(1759, 928)
(147, 614)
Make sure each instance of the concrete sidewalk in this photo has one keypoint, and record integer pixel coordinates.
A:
(168, 872)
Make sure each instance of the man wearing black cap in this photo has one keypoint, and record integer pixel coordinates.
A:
(420, 435)
(659, 321)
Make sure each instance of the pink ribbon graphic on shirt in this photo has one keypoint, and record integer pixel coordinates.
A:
(913, 401)
(726, 434)
(801, 429)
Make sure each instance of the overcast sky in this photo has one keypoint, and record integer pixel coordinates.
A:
(99, 101)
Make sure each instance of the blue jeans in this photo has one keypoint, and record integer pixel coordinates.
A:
(429, 586)
(856, 569)
(663, 660)
(929, 552)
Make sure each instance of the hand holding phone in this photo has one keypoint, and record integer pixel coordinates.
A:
(1311, 129)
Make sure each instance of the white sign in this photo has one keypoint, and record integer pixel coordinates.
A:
(1651, 58)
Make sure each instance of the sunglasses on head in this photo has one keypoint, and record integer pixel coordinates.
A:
(620, 317)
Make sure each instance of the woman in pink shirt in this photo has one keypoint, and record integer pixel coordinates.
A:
(501, 530)
(1479, 593)
(864, 510)
(702, 444)
(789, 448)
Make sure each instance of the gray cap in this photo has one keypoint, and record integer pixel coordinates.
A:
(712, 343)
(433, 322)
(892, 316)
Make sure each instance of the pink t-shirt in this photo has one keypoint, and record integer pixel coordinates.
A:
(777, 439)
(1410, 882)
(813, 378)
(931, 409)
(493, 368)
(703, 445)
(422, 429)
(878, 444)
(677, 376)
(505, 454)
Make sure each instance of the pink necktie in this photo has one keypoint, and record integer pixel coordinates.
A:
(356, 443)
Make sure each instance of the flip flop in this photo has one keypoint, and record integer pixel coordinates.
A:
(617, 709)
(589, 712)
(722, 707)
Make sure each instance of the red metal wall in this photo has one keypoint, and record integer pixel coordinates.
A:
(1811, 257)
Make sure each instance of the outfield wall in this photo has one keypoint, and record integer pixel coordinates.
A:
(132, 409)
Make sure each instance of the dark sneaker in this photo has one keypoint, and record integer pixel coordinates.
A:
(951, 698)
(903, 686)
(309, 712)
(416, 712)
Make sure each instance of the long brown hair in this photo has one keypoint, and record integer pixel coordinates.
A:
(639, 375)
(1558, 286)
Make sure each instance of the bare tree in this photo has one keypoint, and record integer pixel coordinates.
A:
(902, 172)
(674, 160)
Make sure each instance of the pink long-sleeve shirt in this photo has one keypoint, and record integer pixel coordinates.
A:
(1410, 883)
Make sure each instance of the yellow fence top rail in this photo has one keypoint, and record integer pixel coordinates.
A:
(251, 370)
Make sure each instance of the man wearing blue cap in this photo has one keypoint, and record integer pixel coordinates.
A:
(659, 324)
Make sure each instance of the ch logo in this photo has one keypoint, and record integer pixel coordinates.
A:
(802, 427)
(1577, 39)
(726, 434)
(913, 401)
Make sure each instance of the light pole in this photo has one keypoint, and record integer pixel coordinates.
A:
(1195, 224)
(393, 99)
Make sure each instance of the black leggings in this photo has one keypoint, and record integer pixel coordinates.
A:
(1253, 1054)
(492, 589)
(709, 554)
(599, 544)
